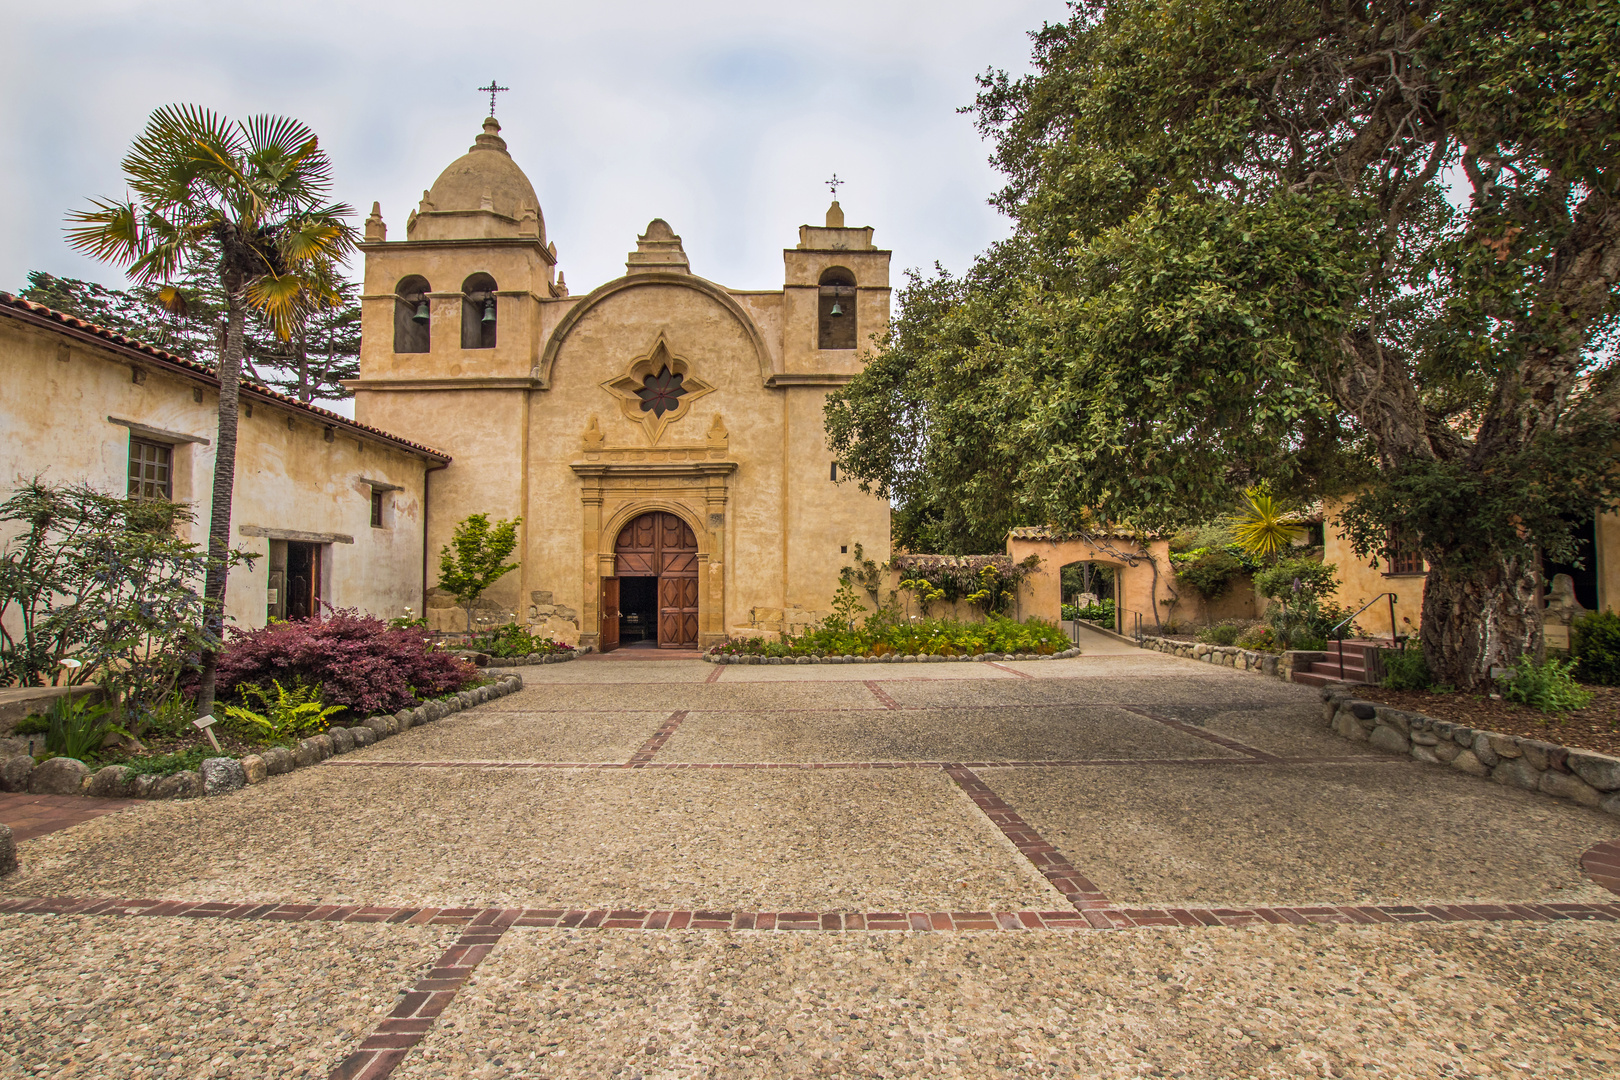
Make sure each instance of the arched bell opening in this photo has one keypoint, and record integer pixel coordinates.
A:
(652, 598)
(412, 316)
(478, 312)
(836, 309)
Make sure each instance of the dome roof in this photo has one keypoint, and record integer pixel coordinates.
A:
(475, 192)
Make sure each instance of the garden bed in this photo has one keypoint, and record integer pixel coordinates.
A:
(1596, 727)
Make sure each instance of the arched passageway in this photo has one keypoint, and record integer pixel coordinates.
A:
(1139, 566)
(656, 567)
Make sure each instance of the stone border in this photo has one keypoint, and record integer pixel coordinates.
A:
(69, 776)
(535, 659)
(1565, 772)
(1277, 665)
(890, 658)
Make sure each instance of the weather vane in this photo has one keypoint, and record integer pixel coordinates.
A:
(832, 185)
(492, 90)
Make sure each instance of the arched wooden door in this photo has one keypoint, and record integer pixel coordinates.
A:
(661, 545)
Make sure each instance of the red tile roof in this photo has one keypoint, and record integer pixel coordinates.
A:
(16, 306)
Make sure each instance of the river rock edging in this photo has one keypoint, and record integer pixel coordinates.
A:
(891, 658)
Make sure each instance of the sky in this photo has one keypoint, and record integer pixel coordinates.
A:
(725, 119)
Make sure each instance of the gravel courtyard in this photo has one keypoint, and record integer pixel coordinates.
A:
(1119, 865)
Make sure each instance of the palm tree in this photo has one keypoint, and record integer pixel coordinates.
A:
(1265, 524)
(246, 200)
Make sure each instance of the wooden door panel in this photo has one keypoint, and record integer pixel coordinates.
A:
(679, 562)
(660, 544)
(608, 635)
(635, 564)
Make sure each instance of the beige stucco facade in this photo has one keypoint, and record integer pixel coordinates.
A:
(1143, 579)
(540, 402)
(73, 397)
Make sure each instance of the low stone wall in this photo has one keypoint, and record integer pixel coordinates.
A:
(1584, 776)
(1278, 665)
(735, 658)
(69, 776)
(535, 658)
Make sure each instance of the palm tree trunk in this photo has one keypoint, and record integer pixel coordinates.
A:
(219, 518)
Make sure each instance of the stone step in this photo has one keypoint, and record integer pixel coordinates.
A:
(1311, 678)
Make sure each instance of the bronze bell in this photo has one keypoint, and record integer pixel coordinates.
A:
(489, 310)
(421, 311)
(837, 310)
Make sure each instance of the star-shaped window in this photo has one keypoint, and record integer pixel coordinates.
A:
(661, 393)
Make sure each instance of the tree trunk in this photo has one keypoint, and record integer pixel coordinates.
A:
(219, 519)
(1478, 618)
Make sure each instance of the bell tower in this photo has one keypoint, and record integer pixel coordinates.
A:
(836, 296)
(459, 297)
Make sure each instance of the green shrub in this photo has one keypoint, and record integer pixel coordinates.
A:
(882, 635)
(1223, 633)
(1258, 637)
(513, 640)
(77, 728)
(32, 725)
(1547, 686)
(1297, 581)
(1406, 670)
(165, 764)
(286, 713)
(1101, 613)
(1595, 648)
(1211, 572)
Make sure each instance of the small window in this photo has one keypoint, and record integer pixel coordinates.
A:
(376, 509)
(834, 474)
(1404, 558)
(412, 316)
(478, 312)
(150, 468)
(835, 309)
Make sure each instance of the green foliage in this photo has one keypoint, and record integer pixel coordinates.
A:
(1237, 253)
(283, 713)
(1547, 686)
(1595, 648)
(1406, 669)
(475, 559)
(1102, 613)
(77, 728)
(513, 640)
(1211, 571)
(32, 725)
(882, 635)
(102, 582)
(1222, 633)
(1264, 527)
(168, 764)
(1259, 637)
(989, 582)
(1294, 581)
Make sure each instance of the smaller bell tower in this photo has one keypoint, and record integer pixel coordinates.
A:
(835, 296)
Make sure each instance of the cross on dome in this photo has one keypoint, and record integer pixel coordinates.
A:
(833, 184)
(492, 90)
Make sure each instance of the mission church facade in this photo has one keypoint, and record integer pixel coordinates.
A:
(661, 437)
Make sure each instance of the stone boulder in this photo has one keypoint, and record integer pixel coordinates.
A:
(362, 736)
(15, 772)
(180, 785)
(278, 760)
(253, 769)
(307, 753)
(222, 774)
(59, 776)
(1599, 770)
(144, 786)
(342, 740)
(112, 782)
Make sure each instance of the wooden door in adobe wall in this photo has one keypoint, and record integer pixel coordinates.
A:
(663, 546)
(607, 638)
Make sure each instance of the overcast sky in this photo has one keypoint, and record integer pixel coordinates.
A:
(722, 118)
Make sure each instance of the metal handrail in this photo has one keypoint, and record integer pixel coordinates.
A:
(1339, 627)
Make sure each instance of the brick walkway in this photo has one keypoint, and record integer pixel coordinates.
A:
(35, 815)
(1119, 791)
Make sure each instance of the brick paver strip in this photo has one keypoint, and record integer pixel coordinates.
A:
(383, 1050)
(483, 927)
(882, 695)
(1075, 886)
(650, 748)
(714, 676)
(29, 816)
(1204, 733)
(1009, 670)
(1602, 864)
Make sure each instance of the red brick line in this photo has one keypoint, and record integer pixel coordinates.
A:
(650, 748)
(1043, 764)
(714, 676)
(421, 1005)
(1204, 733)
(882, 695)
(1105, 917)
(1602, 864)
(1013, 671)
(1075, 886)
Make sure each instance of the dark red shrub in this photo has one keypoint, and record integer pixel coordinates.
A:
(359, 662)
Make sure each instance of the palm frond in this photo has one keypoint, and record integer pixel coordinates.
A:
(1263, 527)
(109, 232)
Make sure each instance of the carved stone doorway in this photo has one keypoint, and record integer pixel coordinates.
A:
(662, 547)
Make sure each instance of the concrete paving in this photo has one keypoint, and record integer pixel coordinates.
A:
(839, 799)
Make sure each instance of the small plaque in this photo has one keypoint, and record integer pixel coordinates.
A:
(272, 597)
(203, 723)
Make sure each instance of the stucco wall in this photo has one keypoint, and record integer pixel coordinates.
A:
(1140, 588)
(58, 394)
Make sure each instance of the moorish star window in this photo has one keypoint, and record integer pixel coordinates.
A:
(661, 393)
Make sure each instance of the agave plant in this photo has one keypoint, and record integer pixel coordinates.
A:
(1264, 527)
